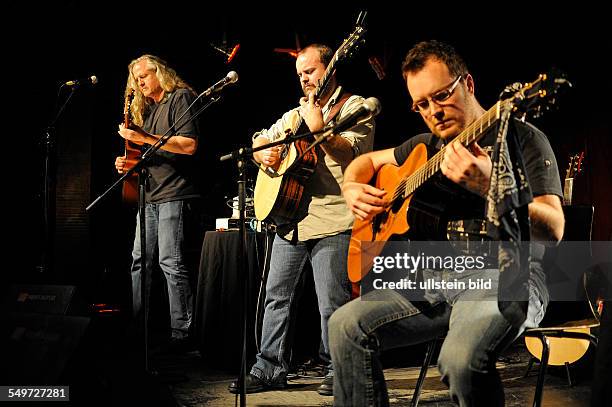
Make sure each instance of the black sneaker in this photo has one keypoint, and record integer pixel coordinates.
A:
(327, 386)
(255, 385)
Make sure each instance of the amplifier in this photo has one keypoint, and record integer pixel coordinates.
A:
(252, 224)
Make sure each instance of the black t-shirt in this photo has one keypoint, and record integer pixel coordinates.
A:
(542, 176)
(172, 176)
(538, 157)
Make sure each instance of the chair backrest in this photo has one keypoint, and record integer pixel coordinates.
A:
(563, 284)
(597, 286)
(578, 222)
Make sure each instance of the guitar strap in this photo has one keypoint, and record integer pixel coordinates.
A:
(303, 128)
(292, 226)
(336, 108)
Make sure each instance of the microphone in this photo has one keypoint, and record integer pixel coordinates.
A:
(232, 77)
(368, 109)
(89, 80)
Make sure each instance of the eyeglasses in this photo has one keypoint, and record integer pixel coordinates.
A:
(437, 97)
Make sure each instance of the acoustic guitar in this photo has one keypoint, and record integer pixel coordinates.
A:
(568, 350)
(574, 167)
(278, 192)
(129, 190)
(404, 181)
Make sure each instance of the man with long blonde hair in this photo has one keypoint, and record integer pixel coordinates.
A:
(171, 194)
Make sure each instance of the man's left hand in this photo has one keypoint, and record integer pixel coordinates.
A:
(311, 112)
(471, 170)
(134, 134)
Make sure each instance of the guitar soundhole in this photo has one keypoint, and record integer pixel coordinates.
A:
(396, 205)
(375, 226)
(378, 220)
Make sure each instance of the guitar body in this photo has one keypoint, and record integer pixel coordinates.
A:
(278, 197)
(129, 191)
(562, 350)
(423, 215)
(391, 222)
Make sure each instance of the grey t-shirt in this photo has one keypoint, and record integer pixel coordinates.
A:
(172, 176)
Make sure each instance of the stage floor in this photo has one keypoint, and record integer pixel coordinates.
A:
(193, 384)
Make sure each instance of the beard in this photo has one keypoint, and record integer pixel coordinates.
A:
(307, 90)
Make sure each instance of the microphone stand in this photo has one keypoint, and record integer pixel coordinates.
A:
(49, 185)
(142, 178)
(241, 156)
(320, 136)
(248, 151)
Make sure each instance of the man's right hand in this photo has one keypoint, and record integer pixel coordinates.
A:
(120, 163)
(364, 201)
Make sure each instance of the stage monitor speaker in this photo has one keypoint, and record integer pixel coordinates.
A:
(37, 338)
(39, 298)
(36, 348)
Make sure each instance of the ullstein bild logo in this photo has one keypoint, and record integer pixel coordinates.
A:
(431, 284)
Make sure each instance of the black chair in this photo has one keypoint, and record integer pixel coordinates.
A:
(576, 329)
(578, 221)
(431, 348)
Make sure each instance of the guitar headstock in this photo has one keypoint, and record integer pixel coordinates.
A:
(574, 166)
(535, 97)
(352, 43)
(347, 49)
(129, 97)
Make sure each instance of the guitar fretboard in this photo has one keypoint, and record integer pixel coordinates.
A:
(331, 67)
(471, 134)
(567, 191)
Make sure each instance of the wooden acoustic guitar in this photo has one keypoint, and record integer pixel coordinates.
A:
(574, 167)
(403, 182)
(278, 191)
(565, 351)
(129, 190)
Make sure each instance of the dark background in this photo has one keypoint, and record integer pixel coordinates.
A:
(49, 44)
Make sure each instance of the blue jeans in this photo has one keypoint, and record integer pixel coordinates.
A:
(476, 332)
(328, 259)
(165, 224)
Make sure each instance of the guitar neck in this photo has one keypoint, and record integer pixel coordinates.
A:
(322, 86)
(471, 134)
(568, 187)
(127, 122)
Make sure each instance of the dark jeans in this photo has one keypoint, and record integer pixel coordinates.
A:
(328, 259)
(166, 244)
(475, 331)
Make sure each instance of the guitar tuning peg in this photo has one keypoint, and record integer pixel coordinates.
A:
(510, 90)
(563, 81)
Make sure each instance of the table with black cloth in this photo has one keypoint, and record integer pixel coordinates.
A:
(218, 311)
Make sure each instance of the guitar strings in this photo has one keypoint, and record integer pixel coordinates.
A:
(412, 182)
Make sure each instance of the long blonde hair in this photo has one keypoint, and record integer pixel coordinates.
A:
(168, 80)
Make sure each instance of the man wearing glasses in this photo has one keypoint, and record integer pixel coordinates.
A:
(475, 332)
